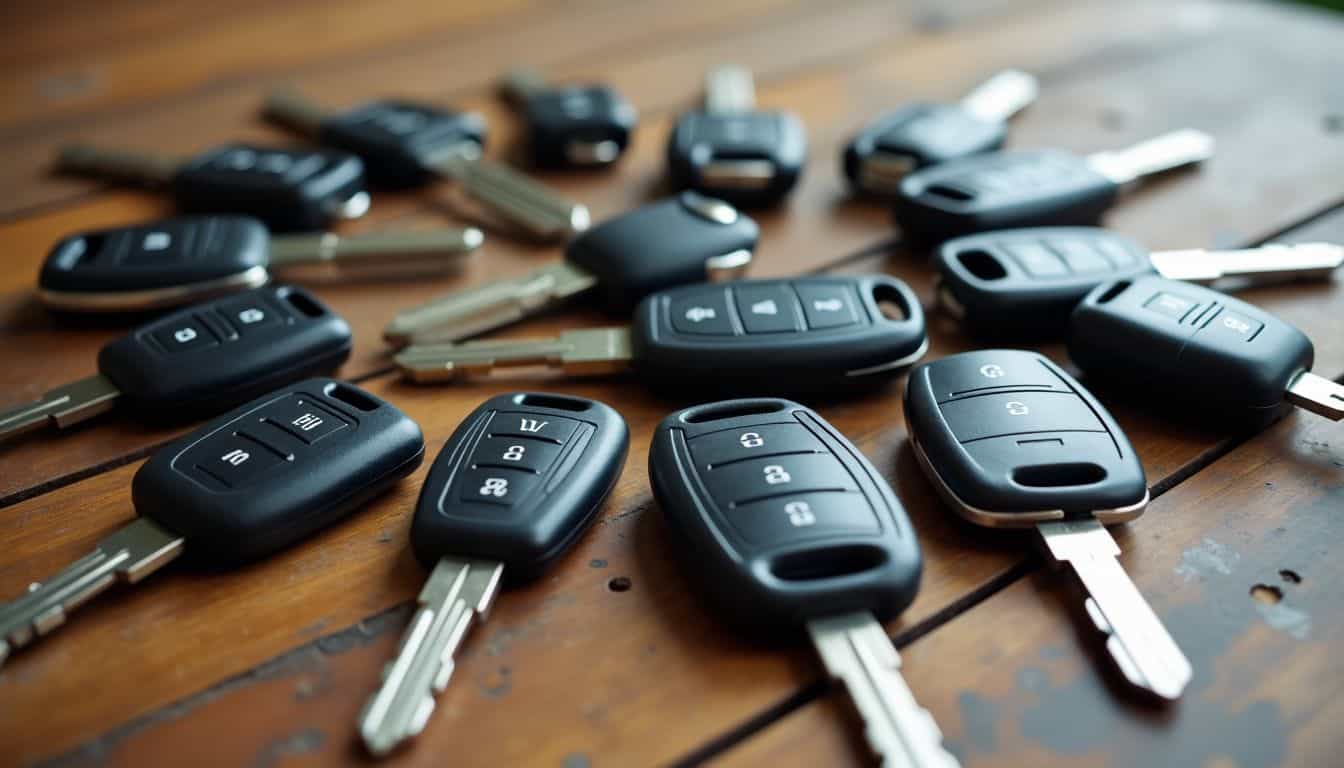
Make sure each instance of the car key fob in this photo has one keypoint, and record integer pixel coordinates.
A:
(393, 137)
(571, 126)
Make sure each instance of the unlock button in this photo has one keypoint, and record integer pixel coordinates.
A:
(1012, 413)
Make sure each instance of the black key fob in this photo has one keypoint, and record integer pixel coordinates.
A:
(393, 138)
(581, 126)
(277, 469)
(519, 481)
(778, 518)
(746, 158)
(912, 137)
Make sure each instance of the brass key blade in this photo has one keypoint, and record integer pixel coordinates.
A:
(117, 164)
(1275, 262)
(442, 245)
(62, 406)
(583, 352)
(129, 554)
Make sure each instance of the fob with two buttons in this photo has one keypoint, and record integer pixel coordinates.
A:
(732, 150)
(805, 335)
(288, 189)
(923, 134)
(511, 491)
(1009, 440)
(1030, 188)
(179, 261)
(408, 144)
(573, 126)
(259, 479)
(1028, 281)
(1212, 356)
(785, 527)
(200, 360)
(684, 239)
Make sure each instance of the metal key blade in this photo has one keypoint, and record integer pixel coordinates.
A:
(377, 247)
(467, 313)
(117, 164)
(583, 352)
(62, 406)
(130, 554)
(729, 89)
(1145, 652)
(1275, 262)
(1156, 155)
(457, 592)
(1002, 96)
(1317, 394)
(528, 203)
(856, 651)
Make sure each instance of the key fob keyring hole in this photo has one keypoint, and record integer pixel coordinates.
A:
(813, 565)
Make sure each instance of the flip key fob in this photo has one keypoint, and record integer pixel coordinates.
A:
(394, 138)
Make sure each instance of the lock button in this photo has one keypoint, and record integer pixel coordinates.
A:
(753, 442)
(1012, 413)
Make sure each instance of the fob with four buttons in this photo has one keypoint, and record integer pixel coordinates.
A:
(1029, 188)
(927, 133)
(1212, 355)
(574, 126)
(182, 260)
(805, 335)
(784, 526)
(288, 189)
(683, 239)
(1027, 281)
(733, 151)
(1009, 440)
(407, 144)
(200, 360)
(511, 491)
(252, 482)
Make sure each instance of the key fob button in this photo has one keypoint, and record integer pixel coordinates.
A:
(1036, 260)
(231, 458)
(800, 517)
(1120, 255)
(189, 334)
(165, 243)
(531, 425)
(719, 448)
(496, 485)
(300, 417)
(1171, 305)
(973, 372)
(704, 313)
(250, 315)
(755, 479)
(827, 306)
(1081, 257)
(1013, 413)
(1233, 326)
(515, 452)
(766, 308)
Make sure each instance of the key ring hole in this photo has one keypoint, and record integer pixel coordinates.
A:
(982, 264)
(556, 402)
(829, 563)
(890, 303)
(1115, 290)
(732, 410)
(350, 396)
(1059, 475)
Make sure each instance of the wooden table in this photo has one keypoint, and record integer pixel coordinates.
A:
(270, 664)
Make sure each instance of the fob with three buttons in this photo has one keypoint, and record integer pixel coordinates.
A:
(684, 239)
(805, 335)
(574, 126)
(732, 150)
(178, 261)
(1211, 355)
(252, 482)
(511, 491)
(407, 144)
(1009, 440)
(1030, 188)
(923, 134)
(784, 526)
(288, 189)
(200, 360)
(1027, 281)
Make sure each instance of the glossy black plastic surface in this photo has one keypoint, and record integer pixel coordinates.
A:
(277, 469)
(392, 136)
(212, 356)
(1027, 281)
(288, 189)
(702, 141)
(805, 335)
(777, 518)
(519, 481)
(1009, 432)
(654, 247)
(1001, 190)
(1211, 355)
(558, 117)
(179, 251)
(918, 135)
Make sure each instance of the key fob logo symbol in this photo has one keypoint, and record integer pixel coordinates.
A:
(751, 440)
(800, 514)
(828, 305)
(700, 314)
(1016, 408)
(775, 474)
(156, 241)
(184, 335)
(767, 307)
(495, 486)
(991, 371)
(251, 315)
(235, 457)
(531, 425)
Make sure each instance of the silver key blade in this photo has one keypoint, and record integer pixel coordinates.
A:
(729, 89)
(856, 651)
(484, 308)
(129, 554)
(1139, 644)
(1156, 155)
(1275, 262)
(62, 406)
(541, 211)
(457, 592)
(1002, 96)
(583, 352)
(1317, 394)
(440, 245)
(117, 164)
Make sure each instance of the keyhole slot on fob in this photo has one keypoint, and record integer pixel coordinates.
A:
(890, 303)
(831, 563)
(951, 193)
(1113, 291)
(350, 396)
(982, 264)
(1059, 475)
(305, 305)
(730, 411)
(556, 402)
